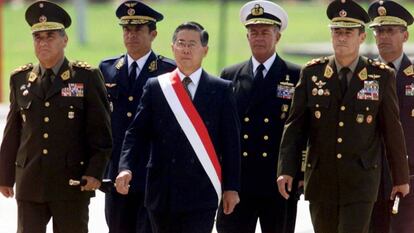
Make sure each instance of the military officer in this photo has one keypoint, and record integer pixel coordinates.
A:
(264, 87)
(58, 128)
(390, 22)
(125, 77)
(345, 105)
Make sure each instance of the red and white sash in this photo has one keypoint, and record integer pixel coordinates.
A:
(192, 125)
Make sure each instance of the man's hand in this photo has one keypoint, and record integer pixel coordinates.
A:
(282, 181)
(230, 200)
(404, 189)
(7, 191)
(122, 182)
(92, 183)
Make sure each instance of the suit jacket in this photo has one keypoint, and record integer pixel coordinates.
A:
(124, 101)
(49, 140)
(344, 133)
(262, 110)
(176, 181)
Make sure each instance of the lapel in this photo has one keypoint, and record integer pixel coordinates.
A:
(357, 82)
(65, 73)
(332, 79)
(33, 77)
(121, 66)
(243, 84)
(203, 93)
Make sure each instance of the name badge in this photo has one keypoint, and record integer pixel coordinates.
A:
(370, 91)
(73, 90)
(409, 90)
(285, 91)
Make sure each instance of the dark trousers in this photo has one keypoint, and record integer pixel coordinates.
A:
(126, 213)
(68, 216)
(403, 222)
(334, 218)
(201, 221)
(276, 215)
(381, 217)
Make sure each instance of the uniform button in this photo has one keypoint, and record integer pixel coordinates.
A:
(129, 114)
(343, 108)
(341, 124)
(308, 165)
(367, 108)
(45, 151)
(82, 163)
(47, 104)
(245, 154)
(246, 119)
(71, 107)
(266, 120)
(46, 119)
(45, 135)
(317, 105)
(264, 154)
(339, 156)
(339, 140)
(266, 137)
(245, 136)
(130, 98)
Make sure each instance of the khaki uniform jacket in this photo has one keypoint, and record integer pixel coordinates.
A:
(51, 139)
(344, 134)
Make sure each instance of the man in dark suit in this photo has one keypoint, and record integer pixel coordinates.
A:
(125, 77)
(264, 88)
(189, 119)
(345, 106)
(390, 22)
(58, 129)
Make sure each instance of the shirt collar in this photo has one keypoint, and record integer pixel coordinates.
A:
(352, 66)
(140, 62)
(195, 76)
(55, 68)
(396, 62)
(267, 64)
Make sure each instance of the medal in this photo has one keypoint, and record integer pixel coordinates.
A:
(317, 114)
(320, 92)
(314, 91)
(369, 119)
(360, 118)
(71, 115)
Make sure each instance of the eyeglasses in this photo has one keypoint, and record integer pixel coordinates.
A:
(389, 31)
(180, 44)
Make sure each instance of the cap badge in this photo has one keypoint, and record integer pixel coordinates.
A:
(257, 10)
(381, 2)
(130, 5)
(343, 1)
(343, 13)
(382, 11)
(131, 11)
(42, 19)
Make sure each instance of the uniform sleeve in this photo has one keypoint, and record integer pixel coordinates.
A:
(392, 132)
(11, 141)
(294, 133)
(98, 125)
(138, 133)
(230, 141)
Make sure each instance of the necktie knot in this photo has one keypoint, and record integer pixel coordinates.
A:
(390, 64)
(133, 74)
(259, 71)
(46, 82)
(343, 77)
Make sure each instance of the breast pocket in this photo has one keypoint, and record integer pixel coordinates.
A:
(72, 110)
(366, 111)
(319, 107)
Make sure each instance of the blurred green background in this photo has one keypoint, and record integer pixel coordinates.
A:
(307, 23)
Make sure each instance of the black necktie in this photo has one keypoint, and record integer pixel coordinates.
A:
(343, 77)
(133, 74)
(390, 64)
(186, 81)
(47, 81)
(259, 73)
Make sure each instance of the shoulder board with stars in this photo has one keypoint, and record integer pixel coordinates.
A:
(82, 64)
(379, 64)
(22, 68)
(120, 63)
(167, 60)
(409, 71)
(321, 60)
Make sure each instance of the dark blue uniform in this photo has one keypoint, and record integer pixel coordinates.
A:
(126, 212)
(263, 109)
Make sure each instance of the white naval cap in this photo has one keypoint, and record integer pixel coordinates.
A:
(263, 12)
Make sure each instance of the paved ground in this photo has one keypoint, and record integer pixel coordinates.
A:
(8, 214)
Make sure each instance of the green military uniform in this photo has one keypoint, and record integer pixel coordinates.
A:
(53, 135)
(344, 133)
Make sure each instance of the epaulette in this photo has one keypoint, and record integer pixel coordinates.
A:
(22, 68)
(81, 64)
(166, 60)
(378, 64)
(112, 58)
(315, 61)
